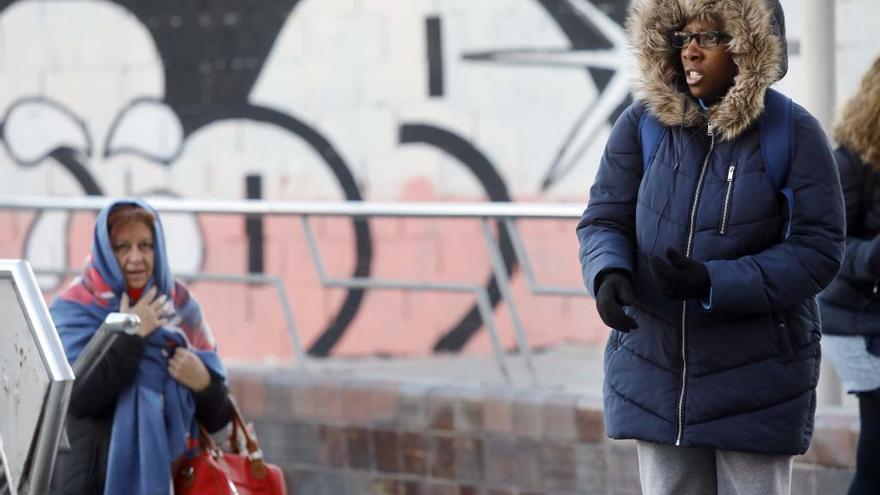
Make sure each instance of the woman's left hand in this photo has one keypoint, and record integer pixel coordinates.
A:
(188, 369)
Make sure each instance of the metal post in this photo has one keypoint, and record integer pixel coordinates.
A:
(817, 50)
(291, 325)
(500, 273)
(100, 343)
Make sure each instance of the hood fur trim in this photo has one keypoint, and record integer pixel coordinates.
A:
(756, 50)
(859, 125)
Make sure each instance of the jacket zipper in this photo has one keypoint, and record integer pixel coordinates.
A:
(688, 252)
(726, 210)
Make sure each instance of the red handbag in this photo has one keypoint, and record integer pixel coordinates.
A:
(214, 472)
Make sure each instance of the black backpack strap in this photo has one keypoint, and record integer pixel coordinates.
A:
(777, 148)
(651, 132)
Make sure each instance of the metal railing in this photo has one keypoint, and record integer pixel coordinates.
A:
(505, 214)
(236, 278)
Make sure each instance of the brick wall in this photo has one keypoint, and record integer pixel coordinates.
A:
(340, 434)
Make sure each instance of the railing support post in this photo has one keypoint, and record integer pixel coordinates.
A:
(503, 282)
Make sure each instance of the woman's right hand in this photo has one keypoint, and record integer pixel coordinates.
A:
(615, 292)
(148, 309)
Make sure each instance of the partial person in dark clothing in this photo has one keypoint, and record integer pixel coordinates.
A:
(705, 250)
(138, 411)
(851, 305)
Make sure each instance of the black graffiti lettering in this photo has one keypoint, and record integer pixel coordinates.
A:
(434, 43)
(213, 52)
(253, 225)
(477, 163)
(363, 244)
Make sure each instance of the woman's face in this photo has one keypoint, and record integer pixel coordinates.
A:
(132, 244)
(709, 72)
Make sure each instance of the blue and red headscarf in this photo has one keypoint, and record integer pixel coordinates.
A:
(155, 415)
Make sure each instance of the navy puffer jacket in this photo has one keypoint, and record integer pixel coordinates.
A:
(740, 375)
(851, 304)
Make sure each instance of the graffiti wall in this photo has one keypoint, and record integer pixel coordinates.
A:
(377, 100)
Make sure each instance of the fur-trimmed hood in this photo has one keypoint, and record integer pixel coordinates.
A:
(758, 48)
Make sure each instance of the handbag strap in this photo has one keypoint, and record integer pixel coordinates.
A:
(254, 453)
(206, 443)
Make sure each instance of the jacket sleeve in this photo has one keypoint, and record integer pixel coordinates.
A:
(800, 266)
(857, 261)
(213, 408)
(95, 393)
(606, 231)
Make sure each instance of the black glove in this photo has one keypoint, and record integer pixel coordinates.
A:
(615, 292)
(682, 278)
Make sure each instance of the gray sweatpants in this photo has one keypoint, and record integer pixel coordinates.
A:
(671, 470)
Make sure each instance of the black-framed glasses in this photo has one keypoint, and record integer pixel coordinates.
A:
(706, 39)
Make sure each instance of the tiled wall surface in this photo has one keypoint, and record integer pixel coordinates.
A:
(337, 434)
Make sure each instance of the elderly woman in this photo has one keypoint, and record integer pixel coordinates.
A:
(705, 249)
(137, 412)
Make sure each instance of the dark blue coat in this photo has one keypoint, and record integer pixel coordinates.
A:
(851, 304)
(740, 375)
(752, 359)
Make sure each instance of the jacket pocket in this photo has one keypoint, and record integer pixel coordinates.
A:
(782, 336)
(725, 208)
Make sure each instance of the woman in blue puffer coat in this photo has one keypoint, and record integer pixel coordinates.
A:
(705, 267)
(851, 305)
